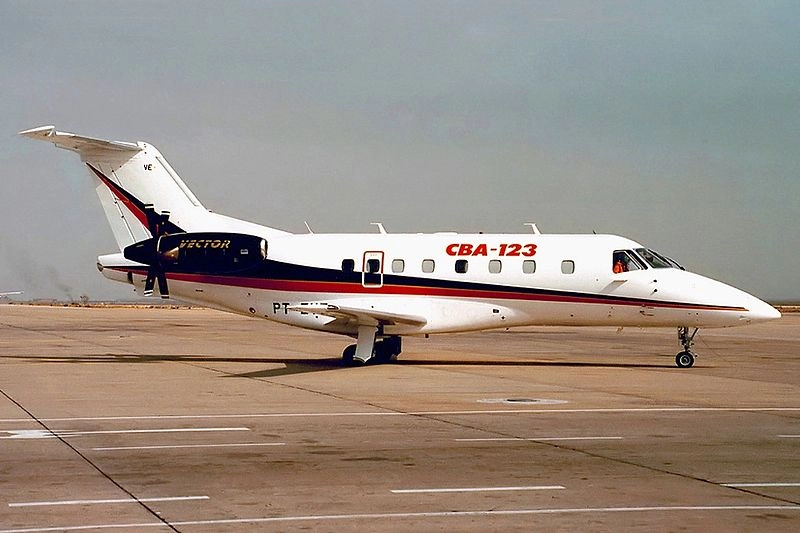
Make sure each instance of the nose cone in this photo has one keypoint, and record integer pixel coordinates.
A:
(760, 311)
(752, 309)
(734, 306)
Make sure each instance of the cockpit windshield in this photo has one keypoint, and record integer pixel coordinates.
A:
(657, 260)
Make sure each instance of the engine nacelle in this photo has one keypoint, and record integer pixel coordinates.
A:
(201, 252)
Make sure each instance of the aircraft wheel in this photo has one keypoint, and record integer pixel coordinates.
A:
(388, 349)
(383, 352)
(684, 359)
(348, 354)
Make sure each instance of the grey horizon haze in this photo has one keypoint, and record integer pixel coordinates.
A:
(673, 123)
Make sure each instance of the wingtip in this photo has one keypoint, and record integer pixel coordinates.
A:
(41, 131)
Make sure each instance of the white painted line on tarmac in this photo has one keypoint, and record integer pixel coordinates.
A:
(119, 500)
(434, 514)
(747, 485)
(554, 410)
(56, 433)
(507, 439)
(166, 447)
(478, 489)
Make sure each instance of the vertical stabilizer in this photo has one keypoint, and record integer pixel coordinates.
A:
(130, 176)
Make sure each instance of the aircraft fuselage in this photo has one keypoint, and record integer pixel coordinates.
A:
(463, 282)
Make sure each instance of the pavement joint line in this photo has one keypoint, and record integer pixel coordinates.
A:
(747, 485)
(421, 413)
(173, 446)
(478, 489)
(413, 515)
(789, 436)
(529, 439)
(107, 501)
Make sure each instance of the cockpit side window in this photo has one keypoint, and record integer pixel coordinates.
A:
(625, 261)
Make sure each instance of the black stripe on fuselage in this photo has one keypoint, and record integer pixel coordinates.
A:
(269, 275)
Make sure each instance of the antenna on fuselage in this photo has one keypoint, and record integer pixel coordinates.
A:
(381, 229)
(534, 228)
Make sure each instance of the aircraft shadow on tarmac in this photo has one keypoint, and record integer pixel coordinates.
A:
(305, 365)
(293, 365)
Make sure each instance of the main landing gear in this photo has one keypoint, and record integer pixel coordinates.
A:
(385, 350)
(685, 359)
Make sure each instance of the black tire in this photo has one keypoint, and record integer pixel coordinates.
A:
(348, 354)
(382, 353)
(684, 359)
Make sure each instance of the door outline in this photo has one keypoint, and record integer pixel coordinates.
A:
(370, 279)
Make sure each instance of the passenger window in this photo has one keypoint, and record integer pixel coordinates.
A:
(528, 266)
(373, 266)
(461, 266)
(495, 266)
(567, 266)
(428, 265)
(348, 266)
(398, 265)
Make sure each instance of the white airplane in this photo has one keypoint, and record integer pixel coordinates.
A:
(380, 287)
(9, 293)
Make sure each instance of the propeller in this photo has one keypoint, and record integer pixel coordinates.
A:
(157, 224)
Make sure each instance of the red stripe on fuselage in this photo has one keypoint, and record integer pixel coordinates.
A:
(340, 288)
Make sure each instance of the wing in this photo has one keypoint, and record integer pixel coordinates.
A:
(365, 316)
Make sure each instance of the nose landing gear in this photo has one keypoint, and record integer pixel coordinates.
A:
(685, 359)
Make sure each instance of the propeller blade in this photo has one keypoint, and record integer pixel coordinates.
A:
(150, 281)
(156, 222)
(152, 219)
(162, 284)
(163, 218)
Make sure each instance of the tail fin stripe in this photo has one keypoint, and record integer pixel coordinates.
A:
(133, 204)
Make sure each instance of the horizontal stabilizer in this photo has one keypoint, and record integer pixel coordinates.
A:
(77, 143)
(364, 316)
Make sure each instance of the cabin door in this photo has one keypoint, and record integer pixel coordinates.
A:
(372, 270)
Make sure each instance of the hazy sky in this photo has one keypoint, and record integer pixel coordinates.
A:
(673, 123)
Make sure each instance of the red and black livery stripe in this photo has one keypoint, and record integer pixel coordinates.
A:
(280, 276)
(134, 205)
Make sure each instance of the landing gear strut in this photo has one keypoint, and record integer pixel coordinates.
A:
(685, 359)
(384, 351)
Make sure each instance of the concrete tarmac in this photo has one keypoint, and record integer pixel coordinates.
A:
(131, 419)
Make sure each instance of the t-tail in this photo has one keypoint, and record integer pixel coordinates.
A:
(139, 190)
(146, 201)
